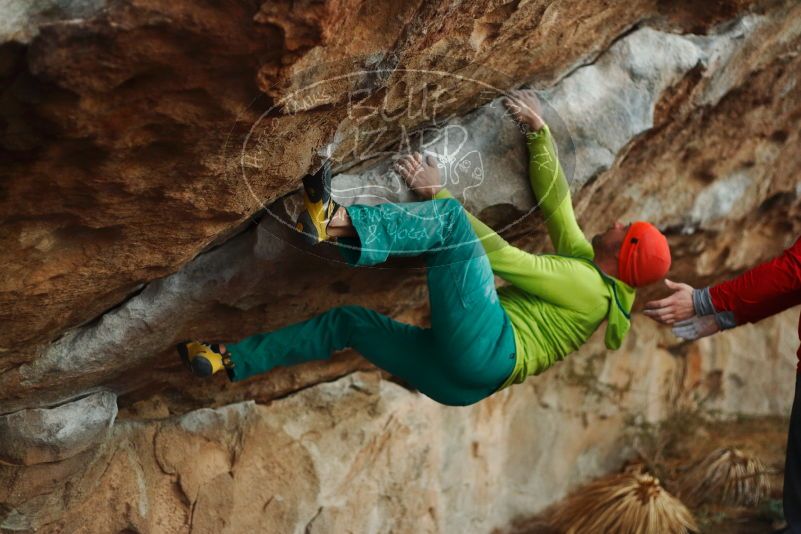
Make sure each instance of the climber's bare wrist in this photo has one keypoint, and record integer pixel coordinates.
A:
(535, 124)
(428, 192)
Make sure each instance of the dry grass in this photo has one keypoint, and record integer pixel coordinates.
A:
(669, 452)
(727, 476)
(626, 503)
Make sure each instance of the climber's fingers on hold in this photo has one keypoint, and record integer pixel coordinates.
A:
(511, 104)
(409, 160)
(520, 96)
(407, 167)
(413, 164)
(400, 167)
(516, 104)
(523, 93)
(403, 160)
(510, 99)
(525, 99)
(431, 161)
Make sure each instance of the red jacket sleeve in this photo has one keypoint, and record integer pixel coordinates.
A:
(766, 289)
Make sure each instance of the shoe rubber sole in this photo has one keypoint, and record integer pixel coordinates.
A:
(199, 366)
(183, 351)
(319, 206)
(308, 230)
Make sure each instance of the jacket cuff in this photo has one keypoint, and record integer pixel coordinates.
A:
(725, 320)
(442, 193)
(702, 302)
(536, 135)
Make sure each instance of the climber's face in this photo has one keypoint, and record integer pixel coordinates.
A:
(609, 242)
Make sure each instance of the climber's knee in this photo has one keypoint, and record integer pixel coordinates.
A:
(454, 218)
(449, 203)
(451, 208)
(345, 313)
(459, 240)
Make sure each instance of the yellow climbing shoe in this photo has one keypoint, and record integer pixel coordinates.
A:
(320, 207)
(203, 359)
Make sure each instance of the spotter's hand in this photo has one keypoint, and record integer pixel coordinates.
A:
(420, 174)
(696, 327)
(676, 307)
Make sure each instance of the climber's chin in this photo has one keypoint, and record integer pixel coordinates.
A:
(609, 242)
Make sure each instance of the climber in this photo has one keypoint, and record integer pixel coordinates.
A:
(765, 290)
(480, 340)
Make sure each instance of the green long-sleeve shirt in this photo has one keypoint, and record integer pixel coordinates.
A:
(555, 302)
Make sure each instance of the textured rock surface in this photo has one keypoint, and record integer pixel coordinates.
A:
(135, 150)
(596, 111)
(363, 454)
(40, 435)
(150, 129)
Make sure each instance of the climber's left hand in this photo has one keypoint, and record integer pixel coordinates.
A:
(420, 173)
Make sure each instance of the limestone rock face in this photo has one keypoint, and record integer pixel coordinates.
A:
(152, 153)
(363, 454)
(39, 435)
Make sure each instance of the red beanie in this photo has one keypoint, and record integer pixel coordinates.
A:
(644, 255)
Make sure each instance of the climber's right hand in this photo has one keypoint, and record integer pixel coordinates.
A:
(420, 174)
(525, 107)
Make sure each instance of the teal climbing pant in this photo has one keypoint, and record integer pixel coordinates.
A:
(468, 351)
